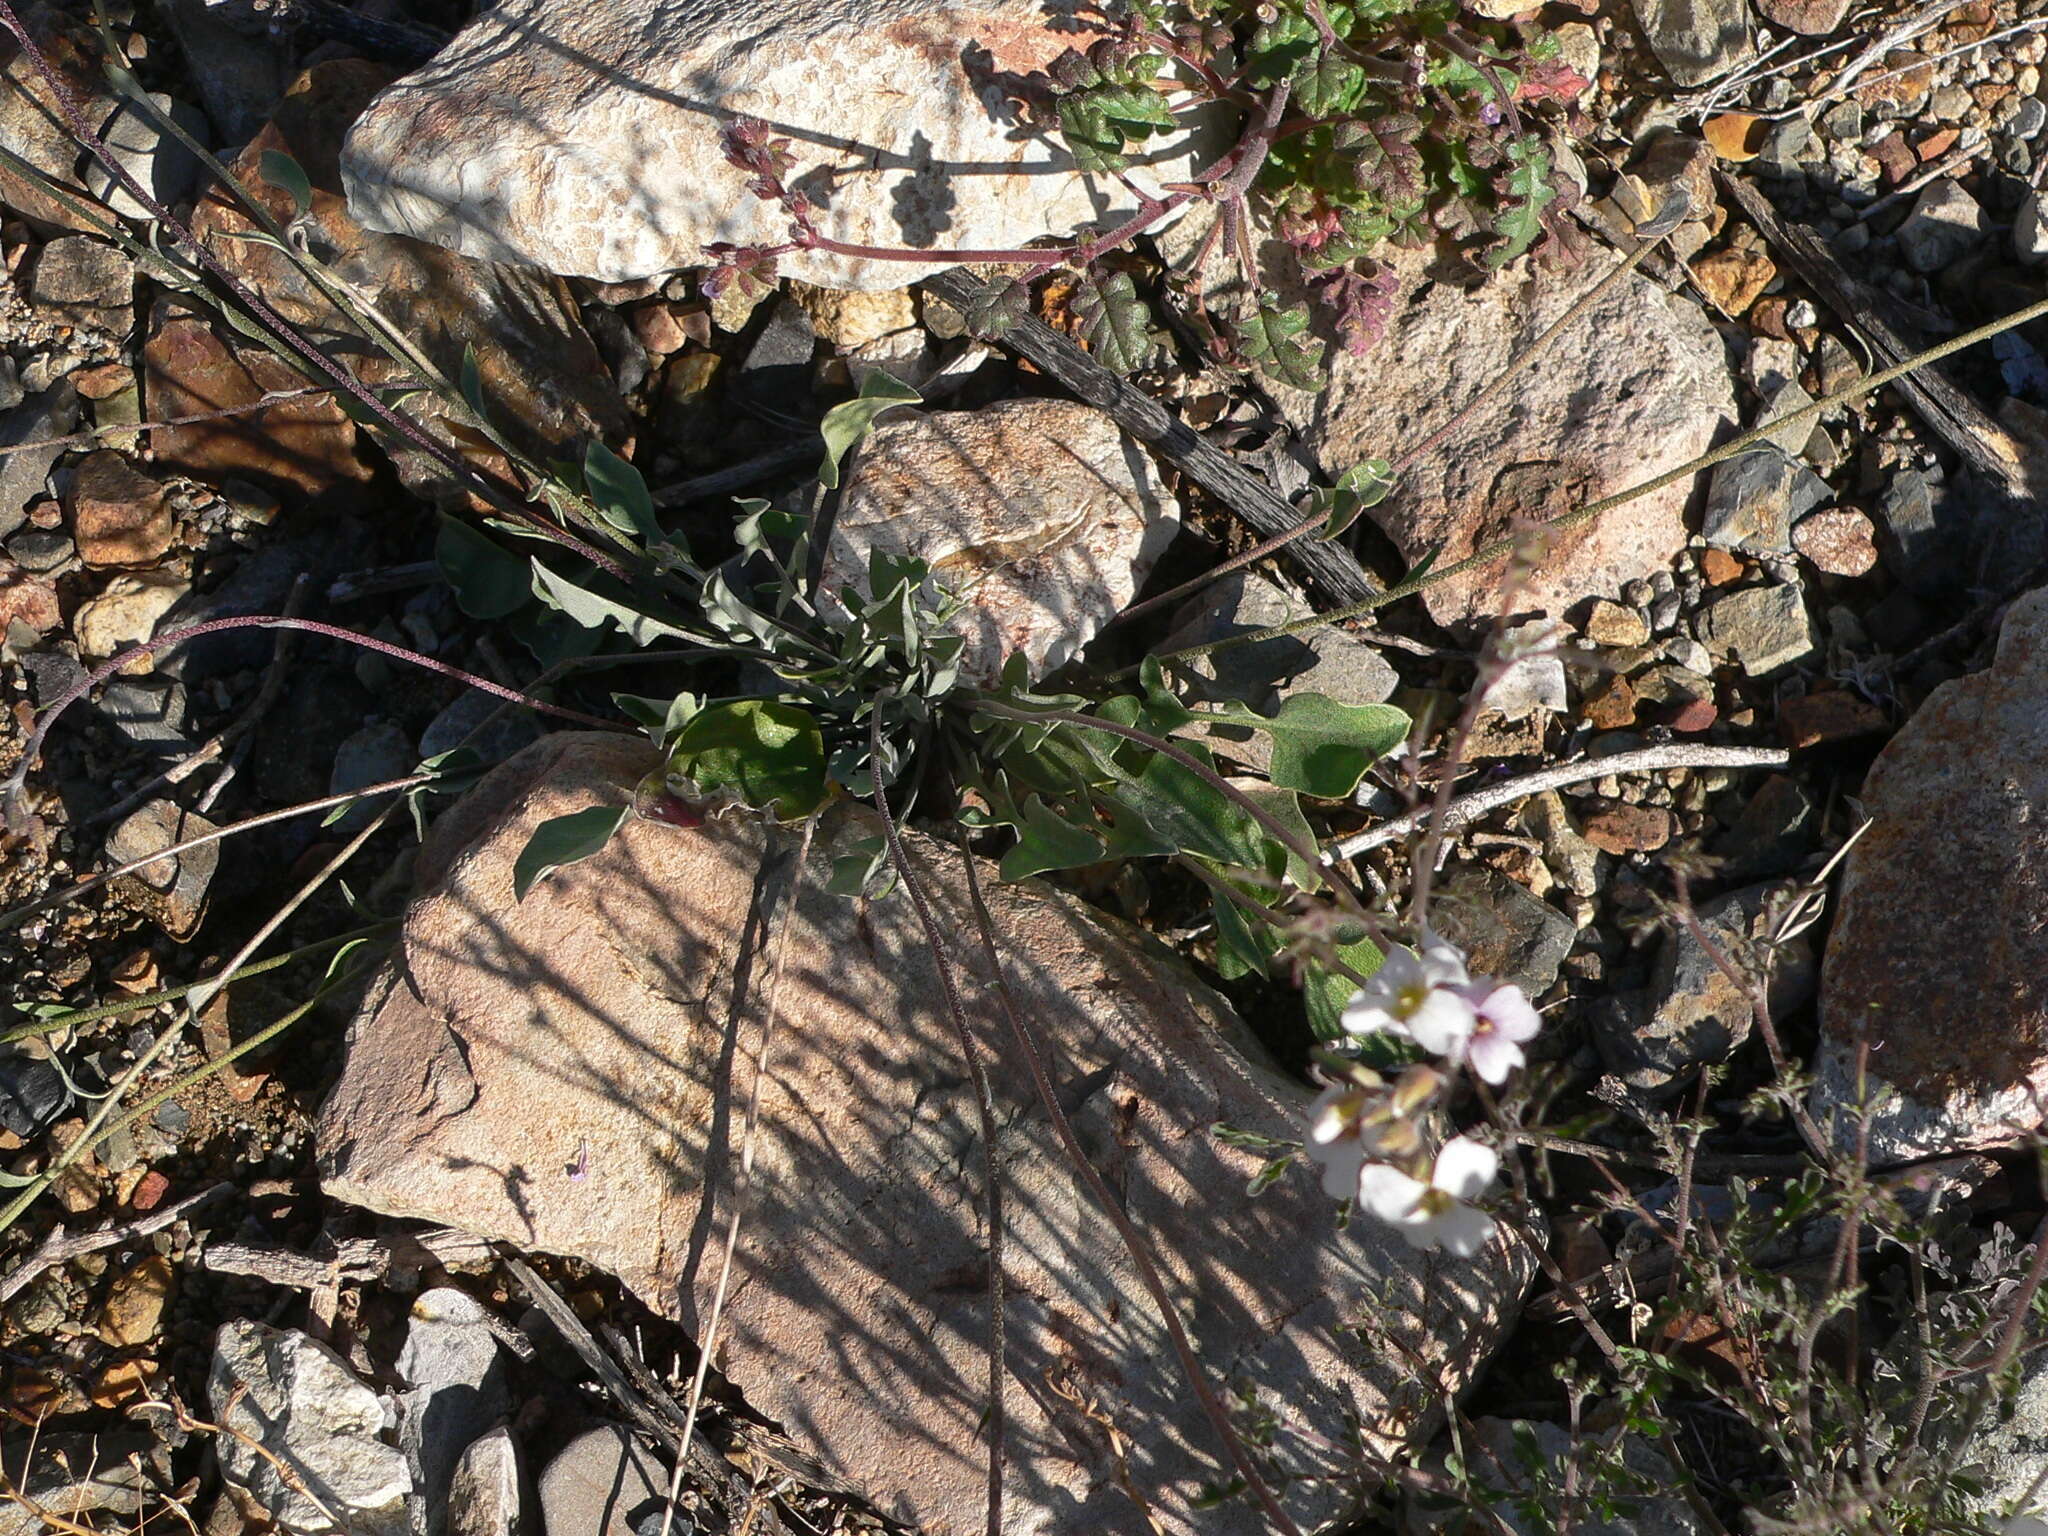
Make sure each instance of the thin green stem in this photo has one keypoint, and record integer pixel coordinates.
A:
(148, 1000)
(1500, 548)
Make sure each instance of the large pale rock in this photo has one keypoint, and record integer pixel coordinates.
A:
(544, 386)
(293, 1396)
(584, 138)
(1640, 386)
(568, 1075)
(1940, 944)
(1042, 514)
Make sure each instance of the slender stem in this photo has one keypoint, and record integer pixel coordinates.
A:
(984, 1102)
(707, 1344)
(172, 994)
(27, 910)
(97, 1129)
(11, 787)
(1041, 1081)
(279, 327)
(1498, 548)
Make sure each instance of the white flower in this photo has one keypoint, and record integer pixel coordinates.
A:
(1503, 1019)
(1416, 995)
(1435, 1215)
(1337, 1136)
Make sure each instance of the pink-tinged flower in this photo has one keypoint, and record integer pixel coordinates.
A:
(1435, 1215)
(1503, 1018)
(1415, 994)
(1337, 1136)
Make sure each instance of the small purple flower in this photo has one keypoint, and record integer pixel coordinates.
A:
(1503, 1020)
(1490, 113)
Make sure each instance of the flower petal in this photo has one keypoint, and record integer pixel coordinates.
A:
(1341, 1167)
(1367, 1014)
(1493, 1056)
(1465, 1167)
(1389, 1193)
(1510, 1012)
(1442, 1024)
(1462, 1231)
(1442, 965)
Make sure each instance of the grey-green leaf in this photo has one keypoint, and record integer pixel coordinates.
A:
(1321, 747)
(847, 423)
(287, 175)
(594, 612)
(489, 582)
(619, 492)
(1048, 841)
(769, 753)
(563, 840)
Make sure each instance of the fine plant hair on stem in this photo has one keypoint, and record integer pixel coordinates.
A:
(11, 787)
(1486, 554)
(984, 1103)
(749, 1131)
(1464, 414)
(1048, 1099)
(130, 1005)
(310, 355)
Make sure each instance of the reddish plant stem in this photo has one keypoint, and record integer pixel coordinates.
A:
(11, 787)
(1225, 181)
(279, 327)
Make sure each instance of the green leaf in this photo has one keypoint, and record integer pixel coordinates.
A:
(1322, 747)
(1280, 48)
(1193, 816)
(1328, 84)
(618, 491)
(594, 612)
(1115, 322)
(847, 423)
(996, 308)
(1525, 192)
(1359, 487)
(863, 870)
(473, 381)
(772, 755)
(1241, 948)
(563, 840)
(287, 175)
(1047, 840)
(1273, 337)
(489, 582)
(1137, 104)
(1325, 991)
(1096, 143)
